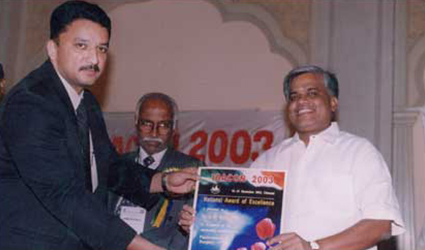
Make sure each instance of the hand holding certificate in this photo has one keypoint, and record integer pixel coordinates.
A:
(237, 208)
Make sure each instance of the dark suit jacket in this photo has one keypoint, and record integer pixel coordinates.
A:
(43, 200)
(168, 235)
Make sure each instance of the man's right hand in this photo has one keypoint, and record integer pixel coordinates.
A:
(186, 218)
(139, 243)
(183, 181)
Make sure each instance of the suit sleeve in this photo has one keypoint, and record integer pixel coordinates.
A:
(38, 139)
(129, 179)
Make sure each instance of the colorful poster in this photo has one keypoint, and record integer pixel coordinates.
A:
(237, 208)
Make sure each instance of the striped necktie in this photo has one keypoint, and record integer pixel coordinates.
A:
(148, 161)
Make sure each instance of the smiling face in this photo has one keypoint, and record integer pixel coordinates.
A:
(80, 53)
(310, 107)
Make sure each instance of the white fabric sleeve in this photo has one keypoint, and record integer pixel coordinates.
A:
(373, 189)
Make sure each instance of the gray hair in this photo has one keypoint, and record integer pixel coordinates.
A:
(329, 79)
(158, 96)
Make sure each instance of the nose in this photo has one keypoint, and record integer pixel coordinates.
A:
(154, 131)
(93, 56)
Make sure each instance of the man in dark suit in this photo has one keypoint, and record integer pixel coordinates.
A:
(56, 160)
(156, 122)
(2, 83)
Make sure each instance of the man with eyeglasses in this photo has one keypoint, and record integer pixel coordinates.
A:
(156, 122)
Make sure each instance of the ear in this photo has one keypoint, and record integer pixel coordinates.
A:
(52, 50)
(334, 103)
(2, 87)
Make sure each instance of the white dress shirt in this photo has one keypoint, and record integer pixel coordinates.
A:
(333, 183)
(157, 157)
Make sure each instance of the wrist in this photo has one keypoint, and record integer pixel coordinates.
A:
(164, 180)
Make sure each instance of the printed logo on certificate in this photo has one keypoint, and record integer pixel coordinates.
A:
(237, 208)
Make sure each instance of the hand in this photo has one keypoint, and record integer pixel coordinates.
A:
(139, 243)
(183, 181)
(186, 218)
(288, 241)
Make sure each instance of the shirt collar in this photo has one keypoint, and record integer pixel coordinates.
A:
(329, 135)
(73, 95)
(157, 156)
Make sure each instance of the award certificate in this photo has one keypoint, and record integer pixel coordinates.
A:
(237, 208)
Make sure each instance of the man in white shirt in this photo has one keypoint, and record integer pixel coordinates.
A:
(339, 192)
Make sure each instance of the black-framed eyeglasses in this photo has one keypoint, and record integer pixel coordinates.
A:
(162, 127)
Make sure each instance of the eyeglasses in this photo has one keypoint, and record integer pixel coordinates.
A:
(162, 127)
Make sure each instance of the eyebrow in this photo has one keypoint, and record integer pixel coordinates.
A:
(105, 44)
(147, 120)
(309, 88)
(79, 39)
(313, 88)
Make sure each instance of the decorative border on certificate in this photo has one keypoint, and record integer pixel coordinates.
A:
(237, 208)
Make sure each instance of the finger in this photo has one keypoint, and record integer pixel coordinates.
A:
(186, 229)
(279, 239)
(287, 241)
(191, 187)
(188, 209)
(191, 173)
(185, 223)
(186, 216)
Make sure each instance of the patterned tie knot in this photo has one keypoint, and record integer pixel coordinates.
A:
(148, 161)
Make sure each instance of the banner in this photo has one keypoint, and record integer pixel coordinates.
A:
(230, 138)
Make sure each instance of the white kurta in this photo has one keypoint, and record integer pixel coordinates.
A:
(334, 182)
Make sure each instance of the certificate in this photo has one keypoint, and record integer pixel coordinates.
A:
(237, 208)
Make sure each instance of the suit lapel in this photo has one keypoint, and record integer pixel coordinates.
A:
(52, 79)
(49, 71)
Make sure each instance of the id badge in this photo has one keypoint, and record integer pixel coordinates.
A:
(134, 217)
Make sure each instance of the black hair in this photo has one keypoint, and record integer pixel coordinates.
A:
(70, 11)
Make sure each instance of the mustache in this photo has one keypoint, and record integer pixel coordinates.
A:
(91, 67)
(152, 139)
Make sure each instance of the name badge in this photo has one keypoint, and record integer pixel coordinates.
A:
(134, 217)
